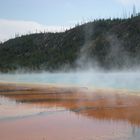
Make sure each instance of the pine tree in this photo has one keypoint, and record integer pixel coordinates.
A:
(134, 10)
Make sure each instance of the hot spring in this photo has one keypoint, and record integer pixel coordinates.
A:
(45, 111)
(116, 80)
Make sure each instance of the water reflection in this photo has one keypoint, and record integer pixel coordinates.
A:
(74, 114)
(67, 125)
(11, 109)
(7, 101)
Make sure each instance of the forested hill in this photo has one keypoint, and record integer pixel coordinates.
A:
(107, 44)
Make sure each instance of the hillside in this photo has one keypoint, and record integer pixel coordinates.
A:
(107, 44)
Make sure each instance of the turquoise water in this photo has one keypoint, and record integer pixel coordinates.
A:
(120, 80)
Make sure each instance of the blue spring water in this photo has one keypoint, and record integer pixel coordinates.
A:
(120, 80)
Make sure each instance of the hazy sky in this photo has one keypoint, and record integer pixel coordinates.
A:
(22, 16)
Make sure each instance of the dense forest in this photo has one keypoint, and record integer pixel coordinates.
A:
(107, 44)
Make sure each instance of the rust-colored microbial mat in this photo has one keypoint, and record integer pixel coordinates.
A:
(49, 112)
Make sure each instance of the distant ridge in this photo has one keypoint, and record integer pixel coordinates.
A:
(106, 44)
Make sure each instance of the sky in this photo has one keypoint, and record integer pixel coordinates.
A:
(29, 16)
